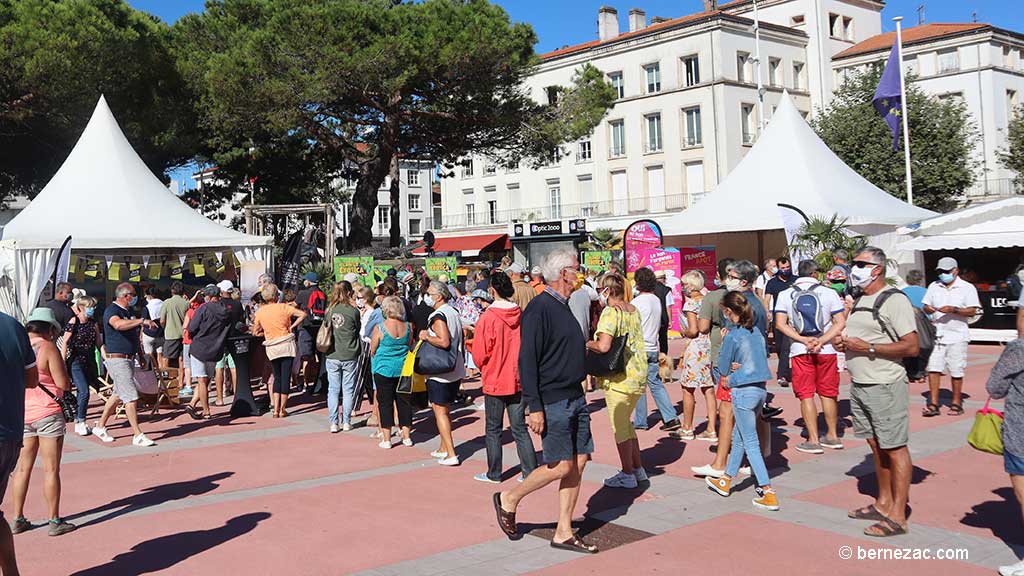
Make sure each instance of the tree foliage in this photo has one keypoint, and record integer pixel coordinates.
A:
(353, 84)
(942, 139)
(821, 236)
(1013, 156)
(56, 58)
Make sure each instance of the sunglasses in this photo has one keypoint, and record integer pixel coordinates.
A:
(862, 264)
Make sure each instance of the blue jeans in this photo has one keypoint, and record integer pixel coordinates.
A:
(82, 372)
(746, 404)
(341, 381)
(661, 399)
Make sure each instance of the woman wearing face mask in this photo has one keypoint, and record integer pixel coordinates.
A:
(81, 338)
(445, 332)
(343, 358)
(366, 303)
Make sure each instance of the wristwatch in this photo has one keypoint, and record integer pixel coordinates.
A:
(871, 351)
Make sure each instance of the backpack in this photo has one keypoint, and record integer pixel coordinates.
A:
(925, 328)
(807, 316)
(317, 305)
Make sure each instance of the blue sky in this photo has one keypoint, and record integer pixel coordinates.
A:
(567, 22)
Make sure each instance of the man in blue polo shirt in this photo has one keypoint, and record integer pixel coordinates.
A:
(121, 340)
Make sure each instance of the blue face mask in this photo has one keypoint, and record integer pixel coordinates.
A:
(135, 300)
(90, 312)
(946, 278)
(717, 283)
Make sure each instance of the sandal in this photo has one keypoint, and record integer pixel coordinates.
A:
(885, 528)
(955, 410)
(930, 410)
(506, 520)
(193, 412)
(866, 513)
(575, 544)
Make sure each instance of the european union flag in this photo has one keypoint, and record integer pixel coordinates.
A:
(888, 100)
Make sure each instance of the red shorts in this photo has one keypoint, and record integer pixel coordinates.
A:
(815, 374)
(723, 394)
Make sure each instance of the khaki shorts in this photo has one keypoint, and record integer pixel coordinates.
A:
(51, 426)
(950, 358)
(882, 412)
(122, 374)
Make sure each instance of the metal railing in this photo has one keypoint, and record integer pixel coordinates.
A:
(994, 188)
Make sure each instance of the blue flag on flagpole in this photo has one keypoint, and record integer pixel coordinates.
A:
(888, 100)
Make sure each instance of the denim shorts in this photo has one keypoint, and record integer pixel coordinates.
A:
(1013, 464)
(566, 430)
(202, 369)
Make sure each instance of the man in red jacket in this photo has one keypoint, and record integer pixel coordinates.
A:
(496, 353)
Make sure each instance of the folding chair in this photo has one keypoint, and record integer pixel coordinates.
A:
(168, 387)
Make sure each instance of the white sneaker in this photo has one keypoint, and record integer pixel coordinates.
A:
(346, 427)
(101, 433)
(744, 471)
(640, 474)
(621, 480)
(1012, 570)
(707, 470)
(407, 442)
(385, 444)
(81, 429)
(438, 454)
(335, 429)
(142, 440)
(453, 461)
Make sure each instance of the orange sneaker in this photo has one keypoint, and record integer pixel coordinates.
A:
(720, 485)
(767, 500)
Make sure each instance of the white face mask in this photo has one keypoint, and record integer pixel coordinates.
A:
(603, 298)
(861, 277)
(428, 300)
(360, 303)
(732, 284)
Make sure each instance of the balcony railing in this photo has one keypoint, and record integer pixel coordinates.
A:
(995, 188)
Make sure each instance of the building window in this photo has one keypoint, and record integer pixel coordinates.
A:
(1011, 104)
(492, 211)
(848, 29)
(954, 98)
(588, 208)
(470, 214)
(804, 114)
(653, 128)
(618, 130)
(691, 127)
(949, 61)
(383, 220)
(414, 228)
(835, 24)
(1008, 57)
(747, 122)
(490, 169)
(691, 70)
(467, 168)
(413, 177)
(555, 195)
(910, 65)
(583, 153)
(414, 202)
(774, 72)
(797, 20)
(798, 76)
(620, 87)
(742, 62)
(552, 94)
(653, 74)
(512, 167)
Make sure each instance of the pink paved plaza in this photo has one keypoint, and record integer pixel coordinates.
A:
(260, 496)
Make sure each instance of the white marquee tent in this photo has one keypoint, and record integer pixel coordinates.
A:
(790, 165)
(998, 224)
(105, 197)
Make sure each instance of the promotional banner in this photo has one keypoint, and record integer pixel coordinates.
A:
(437, 266)
(134, 273)
(640, 235)
(700, 258)
(361, 266)
(669, 261)
(597, 261)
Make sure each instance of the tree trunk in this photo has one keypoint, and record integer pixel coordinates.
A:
(396, 208)
(364, 201)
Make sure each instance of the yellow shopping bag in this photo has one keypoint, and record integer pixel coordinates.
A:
(410, 382)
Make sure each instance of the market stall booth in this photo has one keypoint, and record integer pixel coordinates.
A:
(987, 241)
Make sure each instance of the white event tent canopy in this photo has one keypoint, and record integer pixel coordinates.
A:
(788, 168)
(108, 201)
(998, 224)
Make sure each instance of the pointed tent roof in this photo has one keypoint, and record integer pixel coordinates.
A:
(106, 198)
(789, 164)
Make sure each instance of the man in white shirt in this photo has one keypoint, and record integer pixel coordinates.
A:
(951, 302)
(650, 320)
(767, 273)
(811, 315)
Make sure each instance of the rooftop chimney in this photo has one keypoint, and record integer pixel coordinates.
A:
(607, 23)
(637, 19)
(658, 20)
(710, 5)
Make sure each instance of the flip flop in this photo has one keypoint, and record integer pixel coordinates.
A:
(866, 513)
(930, 410)
(506, 520)
(193, 413)
(575, 544)
(886, 527)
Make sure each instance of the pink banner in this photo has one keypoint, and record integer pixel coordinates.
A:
(700, 258)
(667, 260)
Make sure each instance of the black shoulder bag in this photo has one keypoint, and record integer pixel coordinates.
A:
(614, 360)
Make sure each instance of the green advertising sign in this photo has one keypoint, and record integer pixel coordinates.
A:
(597, 261)
(361, 266)
(437, 266)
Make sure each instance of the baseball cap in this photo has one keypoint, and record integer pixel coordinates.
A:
(836, 273)
(352, 278)
(536, 271)
(392, 272)
(211, 290)
(946, 263)
(515, 268)
(483, 295)
(224, 286)
(310, 277)
(442, 277)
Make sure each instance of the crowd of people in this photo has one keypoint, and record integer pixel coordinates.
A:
(539, 340)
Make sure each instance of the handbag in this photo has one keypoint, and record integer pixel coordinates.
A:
(68, 403)
(611, 362)
(431, 360)
(282, 347)
(325, 336)
(987, 432)
(410, 382)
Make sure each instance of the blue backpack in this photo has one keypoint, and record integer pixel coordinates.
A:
(807, 316)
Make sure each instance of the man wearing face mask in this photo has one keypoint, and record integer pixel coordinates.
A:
(880, 332)
(121, 339)
(767, 273)
(782, 281)
(951, 302)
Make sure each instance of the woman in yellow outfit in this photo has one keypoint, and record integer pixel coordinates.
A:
(622, 390)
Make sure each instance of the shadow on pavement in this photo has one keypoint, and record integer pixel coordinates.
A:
(1001, 516)
(153, 496)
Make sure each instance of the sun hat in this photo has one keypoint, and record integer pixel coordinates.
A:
(44, 314)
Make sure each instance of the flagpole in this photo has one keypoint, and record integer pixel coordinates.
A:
(905, 110)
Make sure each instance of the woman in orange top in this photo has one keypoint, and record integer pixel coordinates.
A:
(274, 321)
